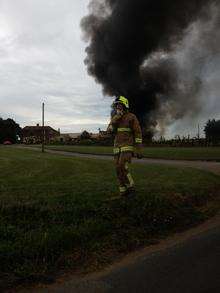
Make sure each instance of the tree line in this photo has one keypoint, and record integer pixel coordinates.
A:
(9, 130)
(212, 131)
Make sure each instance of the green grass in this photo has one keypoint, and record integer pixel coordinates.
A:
(178, 153)
(54, 215)
(183, 153)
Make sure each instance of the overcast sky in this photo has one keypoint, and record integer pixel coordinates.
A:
(41, 59)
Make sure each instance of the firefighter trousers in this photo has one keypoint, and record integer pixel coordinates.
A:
(122, 161)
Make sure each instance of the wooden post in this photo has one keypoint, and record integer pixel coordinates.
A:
(198, 131)
(43, 130)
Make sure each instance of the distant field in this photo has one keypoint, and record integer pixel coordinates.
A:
(175, 153)
(54, 214)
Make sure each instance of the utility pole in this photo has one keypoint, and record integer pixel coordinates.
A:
(43, 130)
(198, 131)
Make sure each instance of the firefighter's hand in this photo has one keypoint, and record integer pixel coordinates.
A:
(110, 129)
(115, 119)
(139, 156)
(139, 153)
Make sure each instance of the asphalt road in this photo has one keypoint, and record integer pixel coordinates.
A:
(187, 262)
(188, 267)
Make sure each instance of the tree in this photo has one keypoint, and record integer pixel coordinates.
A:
(212, 131)
(147, 135)
(85, 135)
(9, 130)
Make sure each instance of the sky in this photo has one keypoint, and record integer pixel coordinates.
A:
(42, 54)
(41, 60)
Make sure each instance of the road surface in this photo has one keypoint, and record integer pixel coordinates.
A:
(187, 262)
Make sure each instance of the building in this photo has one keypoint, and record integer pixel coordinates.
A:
(76, 137)
(34, 134)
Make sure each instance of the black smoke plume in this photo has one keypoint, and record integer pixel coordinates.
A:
(130, 52)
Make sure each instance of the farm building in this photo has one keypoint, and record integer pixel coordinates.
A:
(34, 134)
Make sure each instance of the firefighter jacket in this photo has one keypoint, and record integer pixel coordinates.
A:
(127, 132)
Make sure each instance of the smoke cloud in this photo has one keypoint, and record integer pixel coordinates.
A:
(156, 53)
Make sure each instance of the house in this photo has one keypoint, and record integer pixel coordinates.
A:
(103, 134)
(34, 134)
(75, 137)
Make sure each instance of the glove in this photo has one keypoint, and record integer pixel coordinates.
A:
(120, 112)
(139, 153)
(139, 156)
(110, 129)
(115, 119)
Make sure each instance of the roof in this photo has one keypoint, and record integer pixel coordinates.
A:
(94, 135)
(72, 135)
(34, 128)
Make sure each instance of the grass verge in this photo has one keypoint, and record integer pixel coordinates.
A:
(54, 215)
(171, 153)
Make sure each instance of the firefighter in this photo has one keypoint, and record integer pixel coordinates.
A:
(128, 141)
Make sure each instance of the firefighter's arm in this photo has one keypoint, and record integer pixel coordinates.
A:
(137, 138)
(113, 124)
(115, 119)
(109, 129)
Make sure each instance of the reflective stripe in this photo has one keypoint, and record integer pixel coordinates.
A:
(116, 151)
(123, 149)
(127, 149)
(130, 179)
(124, 130)
(138, 140)
(122, 188)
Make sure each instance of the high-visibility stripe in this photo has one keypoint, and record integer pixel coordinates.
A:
(116, 151)
(138, 140)
(124, 130)
(127, 149)
(123, 149)
(130, 179)
(122, 188)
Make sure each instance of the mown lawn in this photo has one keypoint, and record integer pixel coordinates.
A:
(55, 216)
(173, 153)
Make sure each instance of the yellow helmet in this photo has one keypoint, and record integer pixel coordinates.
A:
(122, 100)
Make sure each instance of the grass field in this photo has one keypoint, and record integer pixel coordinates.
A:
(54, 214)
(178, 153)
